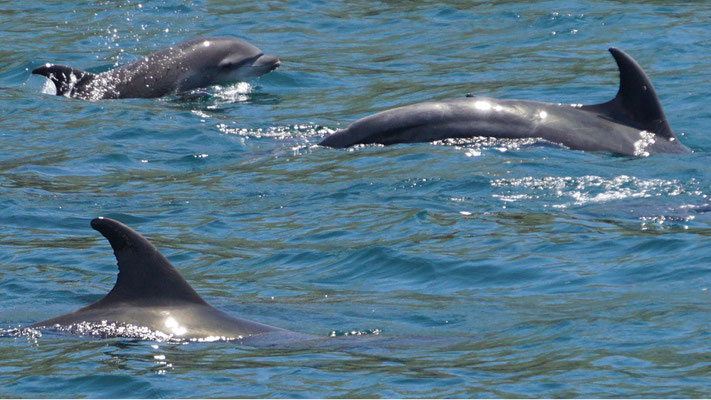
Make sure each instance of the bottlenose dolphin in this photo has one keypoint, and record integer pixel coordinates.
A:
(150, 293)
(193, 64)
(633, 123)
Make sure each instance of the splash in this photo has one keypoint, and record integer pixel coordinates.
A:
(279, 132)
(108, 330)
(591, 189)
(640, 146)
(235, 93)
(213, 97)
(476, 146)
(367, 332)
(30, 333)
(105, 330)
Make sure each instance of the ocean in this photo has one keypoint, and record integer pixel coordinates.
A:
(470, 269)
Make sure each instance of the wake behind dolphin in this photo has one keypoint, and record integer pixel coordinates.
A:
(633, 123)
(193, 64)
(151, 294)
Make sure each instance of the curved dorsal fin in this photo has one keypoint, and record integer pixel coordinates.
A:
(65, 78)
(636, 103)
(144, 273)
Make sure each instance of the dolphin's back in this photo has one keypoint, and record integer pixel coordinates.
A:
(632, 123)
(431, 121)
(184, 66)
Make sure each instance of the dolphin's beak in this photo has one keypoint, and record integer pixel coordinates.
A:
(269, 62)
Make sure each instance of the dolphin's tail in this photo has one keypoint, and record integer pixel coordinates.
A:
(65, 78)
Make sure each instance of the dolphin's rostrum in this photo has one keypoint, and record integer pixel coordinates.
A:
(633, 123)
(193, 64)
(150, 293)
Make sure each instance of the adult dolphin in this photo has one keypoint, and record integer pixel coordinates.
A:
(633, 123)
(150, 293)
(185, 66)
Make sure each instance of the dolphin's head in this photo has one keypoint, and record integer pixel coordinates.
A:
(244, 69)
(240, 61)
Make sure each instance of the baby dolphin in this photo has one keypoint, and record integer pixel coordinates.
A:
(150, 293)
(193, 64)
(633, 123)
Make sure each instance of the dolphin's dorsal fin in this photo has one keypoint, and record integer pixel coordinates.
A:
(144, 273)
(636, 103)
(65, 78)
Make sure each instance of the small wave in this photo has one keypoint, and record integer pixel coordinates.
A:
(591, 189)
(30, 333)
(106, 330)
(234, 93)
(475, 147)
(367, 332)
(279, 132)
(215, 96)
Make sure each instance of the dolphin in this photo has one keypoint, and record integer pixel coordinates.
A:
(633, 123)
(185, 66)
(150, 293)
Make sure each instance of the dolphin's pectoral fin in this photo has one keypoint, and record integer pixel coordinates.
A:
(636, 103)
(144, 273)
(65, 78)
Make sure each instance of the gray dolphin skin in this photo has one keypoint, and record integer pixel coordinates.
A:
(150, 293)
(633, 123)
(193, 64)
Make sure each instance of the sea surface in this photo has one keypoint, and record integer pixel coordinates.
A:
(469, 269)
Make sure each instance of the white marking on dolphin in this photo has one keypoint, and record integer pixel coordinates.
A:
(150, 293)
(633, 123)
(193, 64)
